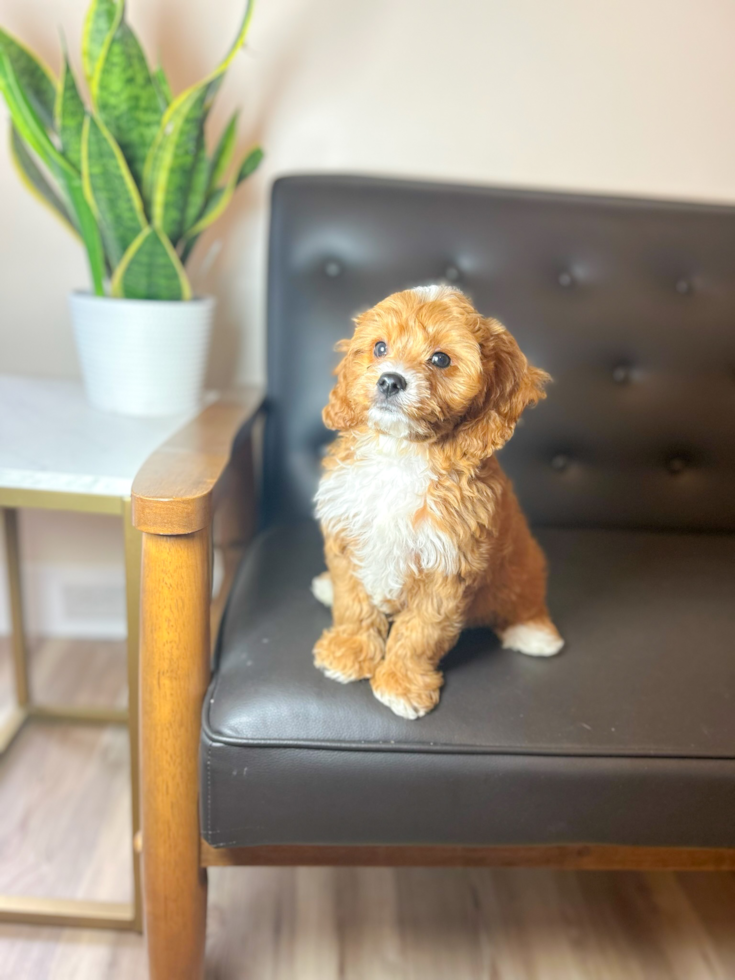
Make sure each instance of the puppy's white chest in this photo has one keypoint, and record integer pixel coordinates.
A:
(374, 500)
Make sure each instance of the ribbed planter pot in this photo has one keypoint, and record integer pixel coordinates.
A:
(142, 357)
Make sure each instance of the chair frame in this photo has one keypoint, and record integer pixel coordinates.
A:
(193, 477)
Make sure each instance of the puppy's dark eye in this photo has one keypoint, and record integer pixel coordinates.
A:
(440, 359)
(380, 349)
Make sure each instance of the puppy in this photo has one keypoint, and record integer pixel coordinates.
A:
(423, 533)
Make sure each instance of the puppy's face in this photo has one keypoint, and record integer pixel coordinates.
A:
(424, 365)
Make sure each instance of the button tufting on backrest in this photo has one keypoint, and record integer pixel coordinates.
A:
(622, 374)
(638, 429)
(560, 462)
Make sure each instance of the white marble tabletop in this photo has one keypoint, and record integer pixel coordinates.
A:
(50, 439)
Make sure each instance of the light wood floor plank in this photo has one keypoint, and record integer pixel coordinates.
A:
(65, 829)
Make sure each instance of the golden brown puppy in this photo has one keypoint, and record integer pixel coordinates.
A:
(423, 533)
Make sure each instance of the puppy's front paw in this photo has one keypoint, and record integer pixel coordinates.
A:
(410, 693)
(345, 656)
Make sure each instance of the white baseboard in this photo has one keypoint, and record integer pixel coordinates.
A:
(70, 601)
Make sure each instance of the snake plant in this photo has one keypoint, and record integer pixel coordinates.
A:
(130, 174)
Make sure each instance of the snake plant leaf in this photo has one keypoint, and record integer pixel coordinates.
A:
(35, 180)
(110, 190)
(27, 121)
(34, 77)
(31, 128)
(151, 269)
(173, 158)
(101, 15)
(162, 88)
(198, 188)
(223, 154)
(170, 171)
(216, 205)
(125, 97)
(70, 113)
(220, 198)
(250, 164)
(188, 248)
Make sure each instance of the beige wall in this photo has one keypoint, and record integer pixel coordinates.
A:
(628, 96)
(624, 96)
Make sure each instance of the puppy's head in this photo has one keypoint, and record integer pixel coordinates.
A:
(425, 366)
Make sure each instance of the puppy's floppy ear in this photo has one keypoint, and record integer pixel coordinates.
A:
(511, 386)
(339, 412)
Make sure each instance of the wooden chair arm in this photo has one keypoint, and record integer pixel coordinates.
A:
(175, 488)
(174, 498)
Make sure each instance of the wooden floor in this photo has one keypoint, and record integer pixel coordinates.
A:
(64, 828)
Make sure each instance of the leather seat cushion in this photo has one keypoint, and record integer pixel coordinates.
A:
(627, 737)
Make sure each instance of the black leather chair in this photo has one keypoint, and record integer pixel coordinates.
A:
(618, 753)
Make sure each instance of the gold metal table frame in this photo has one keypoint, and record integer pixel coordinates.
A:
(73, 912)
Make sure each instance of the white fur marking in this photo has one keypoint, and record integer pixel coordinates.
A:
(532, 639)
(399, 707)
(334, 675)
(322, 589)
(391, 422)
(373, 500)
(435, 291)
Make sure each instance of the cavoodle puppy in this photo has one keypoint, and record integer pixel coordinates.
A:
(423, 533)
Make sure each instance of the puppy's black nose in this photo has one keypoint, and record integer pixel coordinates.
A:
(390, 384)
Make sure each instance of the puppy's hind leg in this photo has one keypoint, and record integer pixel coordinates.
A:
(513, 600)
(537, 638)
(323, 590)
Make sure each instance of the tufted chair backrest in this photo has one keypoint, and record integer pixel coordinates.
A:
(629, 304)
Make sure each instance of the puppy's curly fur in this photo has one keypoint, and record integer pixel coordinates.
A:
(423, 533)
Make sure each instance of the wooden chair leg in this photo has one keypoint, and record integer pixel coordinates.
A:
(174, 672)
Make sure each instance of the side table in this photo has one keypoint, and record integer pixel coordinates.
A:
(57, 453)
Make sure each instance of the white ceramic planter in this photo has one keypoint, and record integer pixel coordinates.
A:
(142, 357)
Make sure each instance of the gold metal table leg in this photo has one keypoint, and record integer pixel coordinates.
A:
(73, 912)
(18, 640)
(11, 726)
(133, 549)
(77, 714)
(67, 912)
